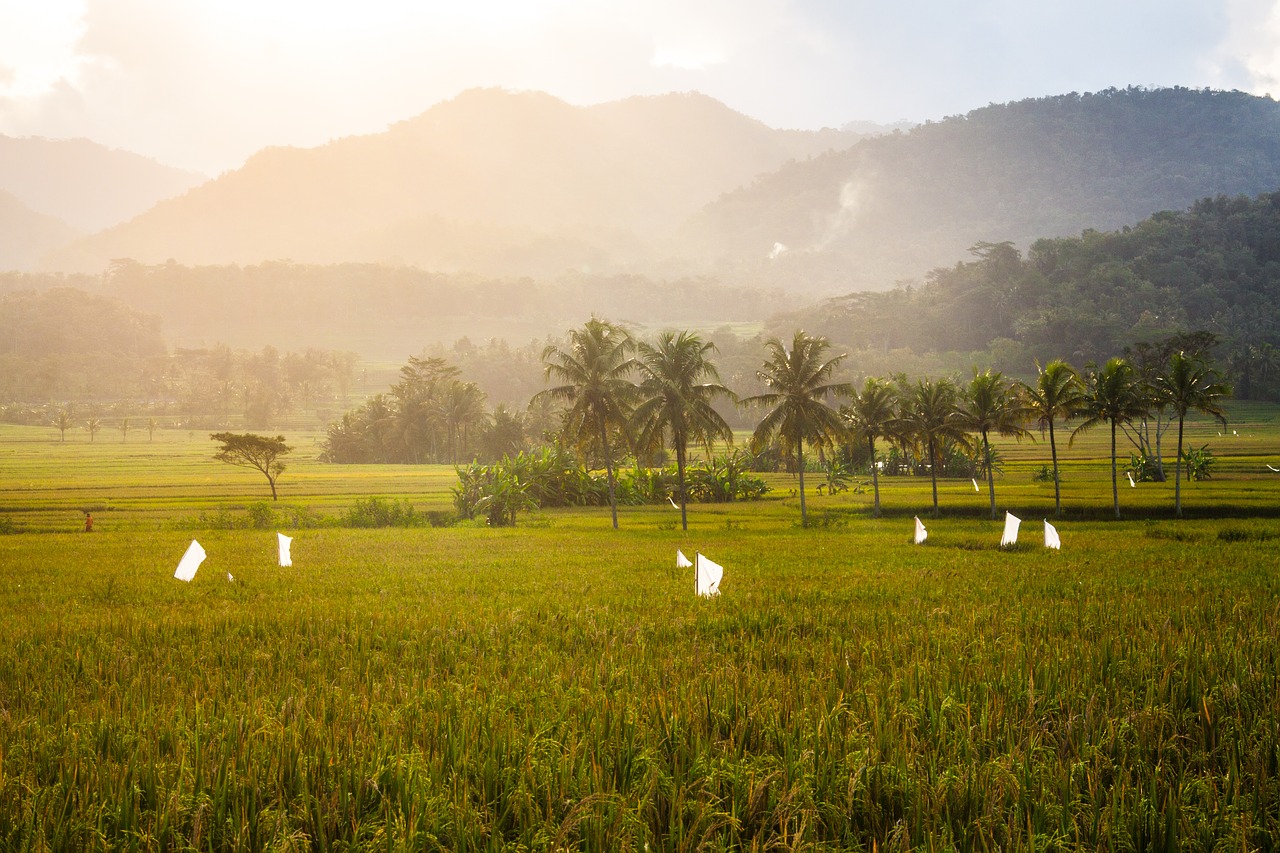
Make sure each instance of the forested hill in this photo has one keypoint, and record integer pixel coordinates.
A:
(1214, 267)
(891, 207)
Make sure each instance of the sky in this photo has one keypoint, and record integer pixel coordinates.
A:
(203, 84)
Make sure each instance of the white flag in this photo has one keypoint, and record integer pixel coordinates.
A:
(1131, 482)
(975, 485)
(230, 579)
(1277, 470)
(708, 577)
(285, 542)
(674, 505)
(1051, 539)
(190, 562)
(682, 562)
(1011, 523)
(921, 533)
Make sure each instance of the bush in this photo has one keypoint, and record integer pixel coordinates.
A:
(376, 512)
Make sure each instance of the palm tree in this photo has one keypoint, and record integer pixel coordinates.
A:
(873, 414)
(1190, 384)
(992, 404)
(799, 382)
(676, 401)
(928, 413)
(1111, 396)
(1058, 393)
(594, 369)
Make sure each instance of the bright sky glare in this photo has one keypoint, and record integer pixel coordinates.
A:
(205, 83)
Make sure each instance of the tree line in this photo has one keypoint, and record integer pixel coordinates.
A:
(614, 397)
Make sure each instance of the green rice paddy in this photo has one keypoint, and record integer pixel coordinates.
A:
(559, 686)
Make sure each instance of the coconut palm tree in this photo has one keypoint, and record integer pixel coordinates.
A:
(929, 414)
(873, 414)
(1111, 396)
(594, 368)
(1190, 384)
(991, 404)
(676, 401)
(1057, 394)
(799, 382)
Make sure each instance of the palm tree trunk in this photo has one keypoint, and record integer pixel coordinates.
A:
(608, 470)
(875, 473)
(991, 476)
(684, 510)
(933, 476)
(1057, 493)
(804, 518)
(1115, 490)
(1177, 473)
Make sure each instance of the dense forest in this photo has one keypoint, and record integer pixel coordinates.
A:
(1214, 267)
(390, 312)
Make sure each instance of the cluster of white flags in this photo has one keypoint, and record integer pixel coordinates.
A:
(707, 574)
(1010, 537)
(195, 555)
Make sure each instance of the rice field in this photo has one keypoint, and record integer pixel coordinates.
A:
(558, 686)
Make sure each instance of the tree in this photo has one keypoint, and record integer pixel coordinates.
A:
(992, 405)
(676, 402)
(1112, 397)
(1190, 384)
(124, 429)
(873, 414)
(929, 415)
(93, 425)
(248, 450)
(1057, 394)
(63, 421)
(594, 369)
(152, 423)
(799, 383)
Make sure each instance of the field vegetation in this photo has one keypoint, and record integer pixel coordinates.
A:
(557, 685)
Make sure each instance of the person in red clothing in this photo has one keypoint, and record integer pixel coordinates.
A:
(88, 522)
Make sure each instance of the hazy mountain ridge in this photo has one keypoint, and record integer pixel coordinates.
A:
(894, 206)
(492, 182)
(26, 235)
(87, 185)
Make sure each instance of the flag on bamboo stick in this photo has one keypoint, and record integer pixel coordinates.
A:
(1010, 536)
(284, 542)
(1131, 482)
(921, 533)
(682, 562)
(190, 562)
(1051, 539)
(709, 575)
(975, 484)
(674, 505)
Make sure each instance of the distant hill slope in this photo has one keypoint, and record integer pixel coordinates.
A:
(492, 181)
(893, 207)
(85, 184)
(26, 235)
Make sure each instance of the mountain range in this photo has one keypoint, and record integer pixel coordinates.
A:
(501, 183)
